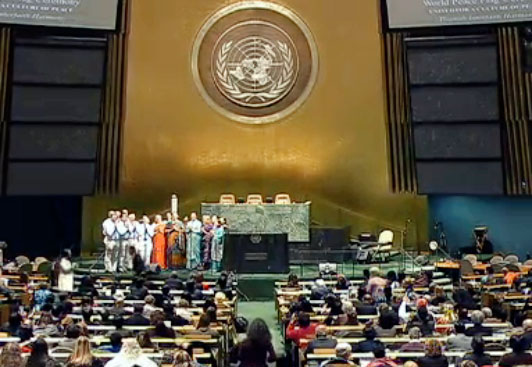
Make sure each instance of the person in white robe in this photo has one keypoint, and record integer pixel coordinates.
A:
(132, 225)
(110, 240)
(145, 244)
(122, 226)
(65, 280)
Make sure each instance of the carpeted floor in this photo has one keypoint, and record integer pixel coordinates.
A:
(266, 311)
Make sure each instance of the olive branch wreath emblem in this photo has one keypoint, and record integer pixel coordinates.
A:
(278, 88)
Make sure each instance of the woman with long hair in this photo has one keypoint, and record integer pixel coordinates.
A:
(130, 355)
(433, 355)
(257, 349)
(183, 359)
(11, 356)
(82, 356)
(39, 355)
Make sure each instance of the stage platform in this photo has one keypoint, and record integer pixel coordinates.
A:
(253, 287)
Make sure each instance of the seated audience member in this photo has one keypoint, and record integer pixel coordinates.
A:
(518, 356)
(41, 296)
(350, 312)
(183, 359)
(137, 319)
(137, 264)
(160, 330)
(39, 356)
(423, 319)
(477, 318)
(144, 340)
(510, 277)
(174, 282)
(464, 297)
(118, 310)
(388, 319)
(72, 333)
(131, 355)
(87, 288)
(300, 327)
(332, 305)
(241, 328)
(459, 341)
(488, 315)
(468, 364)
(149, 306)
(527, 328)
(369, 344)
(478, 355)
(319, 290)
(46, 327)
(257, 349)
(381, 360)
(343, 356)
(293, 281)
(423, 280)
(118, 323)
(116, 343)
(204, 326)
(11, 356)
(13, 324)
(367, 307)
(433, 355)
(415, 344)
(137, 290)
(342, 282)
(439, 296)
(410, 364)
(82, 356)
(322, 340)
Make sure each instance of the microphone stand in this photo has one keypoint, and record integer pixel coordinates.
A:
(404, 254)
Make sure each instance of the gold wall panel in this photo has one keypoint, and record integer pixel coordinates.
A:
(332, 150)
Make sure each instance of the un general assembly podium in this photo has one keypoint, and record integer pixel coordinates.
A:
(257, 253)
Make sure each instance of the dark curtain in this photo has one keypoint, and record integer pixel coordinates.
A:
(40, 226)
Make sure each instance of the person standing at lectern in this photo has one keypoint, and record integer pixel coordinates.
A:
(193, 242)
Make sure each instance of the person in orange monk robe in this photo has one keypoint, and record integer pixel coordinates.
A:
(159, 243)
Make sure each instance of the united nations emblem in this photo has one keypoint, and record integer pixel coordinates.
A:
(255, 61)
(255, 71)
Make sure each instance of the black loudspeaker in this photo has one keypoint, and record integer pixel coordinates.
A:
(257, 253)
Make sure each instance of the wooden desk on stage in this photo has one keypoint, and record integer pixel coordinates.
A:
(293, 219)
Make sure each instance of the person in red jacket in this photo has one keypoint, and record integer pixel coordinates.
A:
(300, 327)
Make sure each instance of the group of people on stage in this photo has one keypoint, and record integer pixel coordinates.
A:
(132, 244)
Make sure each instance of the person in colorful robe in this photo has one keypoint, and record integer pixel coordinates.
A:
(159, 243)
(193, 242)
(208, 235)
(177, 244)
(217, 251)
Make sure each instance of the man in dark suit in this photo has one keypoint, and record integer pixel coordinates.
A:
(137, 319)
(322, 341)
(174, 282)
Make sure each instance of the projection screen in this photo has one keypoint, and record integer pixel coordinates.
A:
(438, 13)
(94, 14)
